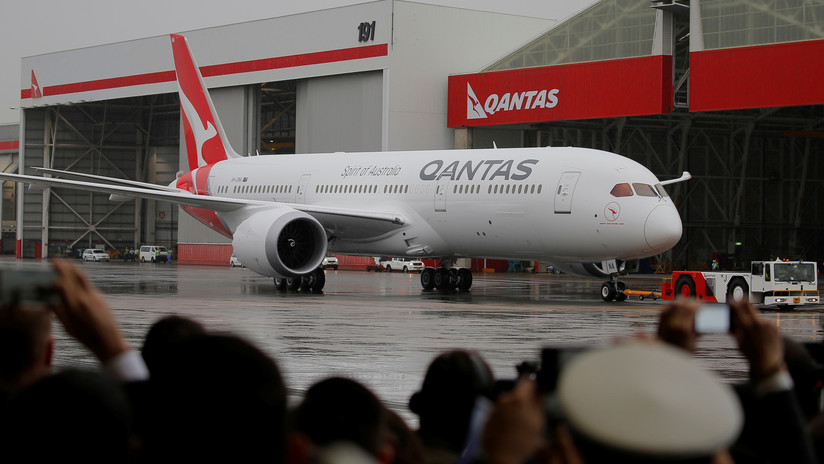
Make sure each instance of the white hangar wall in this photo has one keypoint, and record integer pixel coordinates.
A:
(430, 43)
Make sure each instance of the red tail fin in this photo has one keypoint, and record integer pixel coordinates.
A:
(206, 141)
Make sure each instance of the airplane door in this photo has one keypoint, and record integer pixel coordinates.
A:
(563, 195)
(300, 196)
(440, 195)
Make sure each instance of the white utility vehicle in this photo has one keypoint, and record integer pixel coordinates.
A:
(783, 283)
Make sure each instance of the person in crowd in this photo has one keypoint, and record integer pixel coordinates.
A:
(639, 402)
(167, 330)
(775, 427)
(452, 405)
(73, 415)
(404, 441)
(340, 420)
(215, 398)
(26, 345)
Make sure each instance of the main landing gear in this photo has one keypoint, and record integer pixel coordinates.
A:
(613, 290)
(455, 278)
(312, 282)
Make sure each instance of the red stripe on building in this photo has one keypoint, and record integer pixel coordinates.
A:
(305, 59)
(757, 77)
(600, 89)
(293, 61)
(10, 145)
(111, 83)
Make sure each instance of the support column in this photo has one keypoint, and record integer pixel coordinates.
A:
(21, 162)
(463, 138)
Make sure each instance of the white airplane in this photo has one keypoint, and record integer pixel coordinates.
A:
(586, 211)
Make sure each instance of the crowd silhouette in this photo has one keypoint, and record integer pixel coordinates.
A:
(191, 394)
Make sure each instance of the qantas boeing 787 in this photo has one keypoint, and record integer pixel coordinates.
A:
(583, 210)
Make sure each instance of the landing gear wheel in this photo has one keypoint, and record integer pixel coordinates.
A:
(738, 290)
(620, 287)
(293, 283)
(280, 284)
(313, 281)
(428, 278)
(442, 280)
(464, 279)
(453, 278)
(608, 291)
(685, 287)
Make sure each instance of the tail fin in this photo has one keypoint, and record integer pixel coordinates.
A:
(200, 121)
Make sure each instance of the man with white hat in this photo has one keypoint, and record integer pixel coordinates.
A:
(639, 402)
(647, 402)
(774, 425)
(652, 403)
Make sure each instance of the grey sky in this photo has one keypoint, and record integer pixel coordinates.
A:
(29, 28)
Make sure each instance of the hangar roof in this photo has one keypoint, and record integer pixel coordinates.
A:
(609, 29)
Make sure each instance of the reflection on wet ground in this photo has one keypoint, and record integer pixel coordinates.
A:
(383, 330)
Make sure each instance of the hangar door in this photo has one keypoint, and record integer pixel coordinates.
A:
(340, 113)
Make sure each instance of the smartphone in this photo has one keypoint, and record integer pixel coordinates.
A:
(713, 318)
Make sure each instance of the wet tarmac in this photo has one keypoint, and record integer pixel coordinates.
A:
(383, 329)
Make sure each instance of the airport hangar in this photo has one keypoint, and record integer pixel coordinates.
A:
(728, 90)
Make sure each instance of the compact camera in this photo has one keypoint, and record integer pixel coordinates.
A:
(21, 283)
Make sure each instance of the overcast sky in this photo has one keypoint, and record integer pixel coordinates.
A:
(34, 27)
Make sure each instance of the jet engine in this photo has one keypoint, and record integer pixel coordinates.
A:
(280, 242)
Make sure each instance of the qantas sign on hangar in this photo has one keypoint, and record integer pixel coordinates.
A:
(625, 87)
(759, 76)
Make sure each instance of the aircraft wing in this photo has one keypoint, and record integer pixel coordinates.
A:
(104, 180)
(220, 204)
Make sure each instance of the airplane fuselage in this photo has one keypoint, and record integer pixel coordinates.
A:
(552, 204)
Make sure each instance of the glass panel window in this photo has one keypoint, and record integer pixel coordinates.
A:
(621, 190)
(794, 272)
(644, 190)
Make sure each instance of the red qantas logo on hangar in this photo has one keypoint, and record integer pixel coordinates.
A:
(519, 100)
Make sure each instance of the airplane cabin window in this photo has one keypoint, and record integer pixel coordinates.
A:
(621, 190)
(644, 190)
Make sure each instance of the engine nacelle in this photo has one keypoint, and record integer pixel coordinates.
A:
(280, 242)
(604, 269)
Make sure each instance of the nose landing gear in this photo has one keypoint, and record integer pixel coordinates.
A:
(613, 290)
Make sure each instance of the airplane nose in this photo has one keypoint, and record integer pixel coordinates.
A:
(663, 228)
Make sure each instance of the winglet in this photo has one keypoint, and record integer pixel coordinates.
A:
(684, 176)
(206, 142)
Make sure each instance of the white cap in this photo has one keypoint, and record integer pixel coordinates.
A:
(648, 399)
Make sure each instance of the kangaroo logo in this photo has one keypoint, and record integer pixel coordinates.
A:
(474, 109)
(202, 134)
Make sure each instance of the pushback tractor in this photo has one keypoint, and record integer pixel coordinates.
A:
(781, 283)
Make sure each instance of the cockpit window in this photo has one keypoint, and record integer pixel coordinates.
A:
(661, 191)
(621, 190)
(644, 190)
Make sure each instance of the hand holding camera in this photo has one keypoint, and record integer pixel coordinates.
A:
(682, 322)
(85, 313)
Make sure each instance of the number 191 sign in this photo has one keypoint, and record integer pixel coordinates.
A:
(366, 32)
